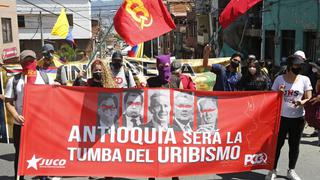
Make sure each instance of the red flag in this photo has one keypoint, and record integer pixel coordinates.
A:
(235, 9)
(141, 20)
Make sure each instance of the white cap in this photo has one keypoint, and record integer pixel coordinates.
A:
(301, 54)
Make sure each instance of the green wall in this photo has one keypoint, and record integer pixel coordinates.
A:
(298, 15)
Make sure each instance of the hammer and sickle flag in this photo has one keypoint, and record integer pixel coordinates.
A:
(138, 21)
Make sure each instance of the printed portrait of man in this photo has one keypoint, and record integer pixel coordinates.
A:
(207, 114)
(132, 109)
(183, 111)
(108, 110)
(159, 109)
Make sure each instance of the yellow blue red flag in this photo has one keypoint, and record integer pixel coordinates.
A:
(61, 28)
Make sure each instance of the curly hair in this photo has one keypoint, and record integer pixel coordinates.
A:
(107, 79)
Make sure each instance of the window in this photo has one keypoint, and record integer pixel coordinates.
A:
(288, 43)
(70, 19)
(310, 45)
(21, 21)
(6, 30)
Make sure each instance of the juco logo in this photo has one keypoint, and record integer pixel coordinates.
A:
(45, 163)
(255, 159)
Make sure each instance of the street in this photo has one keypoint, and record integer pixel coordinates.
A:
(307, 166)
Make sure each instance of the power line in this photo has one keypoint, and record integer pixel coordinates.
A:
(54, 14)
(70, 9)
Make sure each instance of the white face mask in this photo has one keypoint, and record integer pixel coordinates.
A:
(252, 70)
(314, 70)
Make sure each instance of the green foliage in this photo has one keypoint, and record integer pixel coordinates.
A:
(68, 54)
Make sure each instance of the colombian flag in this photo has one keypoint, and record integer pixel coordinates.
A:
(136, 51)
(61, 28)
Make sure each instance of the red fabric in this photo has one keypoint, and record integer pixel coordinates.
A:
(29, 69)
(235, 9)
(187, 82)
(48, 136)
(157, 20)
(312, 115)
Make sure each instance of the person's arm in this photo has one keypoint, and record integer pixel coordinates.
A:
(316, 99)
(206, 55)
(307, 93)
(318, 86)
(131, 79)
(10, 107)
(78, 81)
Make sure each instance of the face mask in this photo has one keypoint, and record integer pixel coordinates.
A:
(164, 71)
(97, 75)
(234, 64)
(295, 71)
(252, 70)
(314, 70)
(116, 65)
(29, 66)
(47, 55)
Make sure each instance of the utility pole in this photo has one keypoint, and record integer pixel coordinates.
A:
(151, 48)
(100, 35)
(263, 35)
(41, 29)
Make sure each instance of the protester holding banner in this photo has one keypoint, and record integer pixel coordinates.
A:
(14, 95)
(101, 76)
(297, 90)
(121, 74)
(227, 77)
(255, 79)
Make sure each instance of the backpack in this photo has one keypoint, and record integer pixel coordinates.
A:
(17, 77)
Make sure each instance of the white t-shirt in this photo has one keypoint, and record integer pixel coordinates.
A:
(292, 92)
(121, 80)
(9, 93)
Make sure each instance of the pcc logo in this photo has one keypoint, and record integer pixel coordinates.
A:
(255, 159)
(35, 162)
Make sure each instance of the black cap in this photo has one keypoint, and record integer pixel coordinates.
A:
(47, 47)
(117, 55)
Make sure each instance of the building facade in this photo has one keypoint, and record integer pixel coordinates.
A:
(40, 16)
(291, 25)
(9, 40)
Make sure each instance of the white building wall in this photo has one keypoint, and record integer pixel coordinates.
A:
(81, 23)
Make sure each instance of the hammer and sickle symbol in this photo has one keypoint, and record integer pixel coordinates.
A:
(139, 13)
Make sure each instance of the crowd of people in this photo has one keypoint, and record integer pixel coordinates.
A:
(299, 87)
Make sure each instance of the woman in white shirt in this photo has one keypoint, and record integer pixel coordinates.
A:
(297, 90)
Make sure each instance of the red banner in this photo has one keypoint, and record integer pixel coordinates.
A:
(234, 10)
(83, 131)
(138, 21)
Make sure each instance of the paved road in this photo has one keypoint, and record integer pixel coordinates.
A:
(308, 166)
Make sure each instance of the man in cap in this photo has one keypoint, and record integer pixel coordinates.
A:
(48, 58)
(122, 75)
(49, 62)
(14, 94)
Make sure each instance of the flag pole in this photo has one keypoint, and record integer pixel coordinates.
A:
(93, 54)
